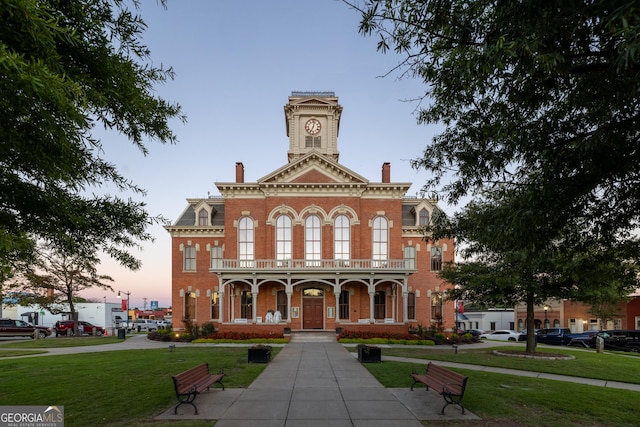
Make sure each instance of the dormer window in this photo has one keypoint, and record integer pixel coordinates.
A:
(203, 217)
(423, 219)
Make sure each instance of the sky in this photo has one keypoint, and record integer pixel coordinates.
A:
(236, 64)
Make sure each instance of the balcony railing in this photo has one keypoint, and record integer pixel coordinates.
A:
(320, 264)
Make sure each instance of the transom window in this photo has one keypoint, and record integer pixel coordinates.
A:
(313, 292)
(312, 246)
(341, 238)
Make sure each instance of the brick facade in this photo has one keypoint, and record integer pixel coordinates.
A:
(234, 276)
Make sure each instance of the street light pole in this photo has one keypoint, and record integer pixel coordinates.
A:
(127, 294)
(546, 322)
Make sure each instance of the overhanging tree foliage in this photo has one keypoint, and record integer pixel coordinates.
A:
(56, 279)
(540, 105)
(65, 68)
(508, 269)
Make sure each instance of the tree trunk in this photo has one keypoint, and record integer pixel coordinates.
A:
(531, 332)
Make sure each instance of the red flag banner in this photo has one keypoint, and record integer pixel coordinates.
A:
(124, 305)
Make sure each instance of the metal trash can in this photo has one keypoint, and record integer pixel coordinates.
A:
(122, 334)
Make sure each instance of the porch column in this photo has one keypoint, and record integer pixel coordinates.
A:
(394, 302)
(336, 294)
(372, 294)
(221, 305)
(289, 294)
(371, 306)
(405, 306)
(255, 291)
(405, 301)
(288, 289)
(232, 298)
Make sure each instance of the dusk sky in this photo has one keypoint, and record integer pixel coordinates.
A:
(236, 64)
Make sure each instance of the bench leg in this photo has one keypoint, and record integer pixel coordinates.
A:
(188, 399)
(451, 400)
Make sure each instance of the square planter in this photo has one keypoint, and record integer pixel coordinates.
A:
(259, 354)
(369, 354)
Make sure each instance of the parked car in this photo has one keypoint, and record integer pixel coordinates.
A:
(164, 324)
(20, 328)
(584, 339)
(555, 336)
(504, 335)
(62, 327)
(621, 340)
(143, 325)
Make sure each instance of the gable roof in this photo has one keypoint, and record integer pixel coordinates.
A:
(313, 167)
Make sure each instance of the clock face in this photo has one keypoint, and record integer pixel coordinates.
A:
(312, 126)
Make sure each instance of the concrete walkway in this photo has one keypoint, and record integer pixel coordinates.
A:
(314, 382)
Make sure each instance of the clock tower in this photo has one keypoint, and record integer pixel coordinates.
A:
(312, 123)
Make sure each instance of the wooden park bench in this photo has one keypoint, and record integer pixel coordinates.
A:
(449, 384)
(192, 382)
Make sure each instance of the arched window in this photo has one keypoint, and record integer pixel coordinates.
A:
(203, 217)
(283, 240)
(312, 245)
(423, 219)
(342, 238)
(380, 245)
(246, 242)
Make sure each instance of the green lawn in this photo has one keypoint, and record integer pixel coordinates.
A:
(612, 366)
(130, 387)
(116, 388)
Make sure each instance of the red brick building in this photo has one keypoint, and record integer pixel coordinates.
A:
(578, 317)
(313, 245)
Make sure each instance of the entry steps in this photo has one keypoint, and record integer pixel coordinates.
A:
(312, 336)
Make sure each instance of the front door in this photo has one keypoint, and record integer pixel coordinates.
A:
(312, 313)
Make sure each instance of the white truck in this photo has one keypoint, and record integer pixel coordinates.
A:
(143, 325)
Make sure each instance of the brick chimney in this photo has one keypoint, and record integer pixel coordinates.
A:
(386, 172)
(239, 172)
